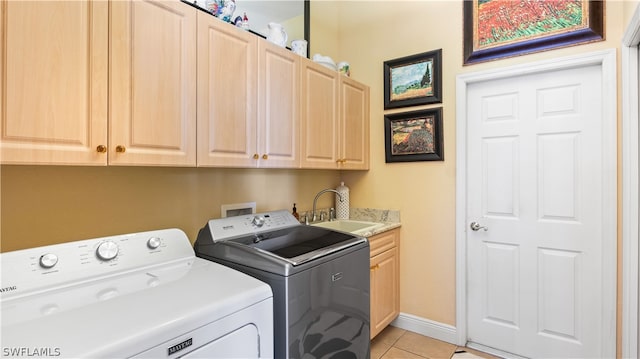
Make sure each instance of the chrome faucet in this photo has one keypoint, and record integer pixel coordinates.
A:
(313, 212)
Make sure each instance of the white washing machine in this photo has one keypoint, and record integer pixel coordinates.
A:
(142, 295)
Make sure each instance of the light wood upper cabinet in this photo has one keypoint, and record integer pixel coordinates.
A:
(335, 120)
(153, 83)
(248, 107)
(385, 279)
(319, 135)
(278, 106)
(354, 125)
(98, 82)
(260, 105)
(53, 82)
(227, 94)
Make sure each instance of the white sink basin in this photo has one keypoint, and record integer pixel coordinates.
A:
(351, 226)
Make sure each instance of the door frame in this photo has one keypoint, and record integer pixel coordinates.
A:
(630, 210)
(606, 60)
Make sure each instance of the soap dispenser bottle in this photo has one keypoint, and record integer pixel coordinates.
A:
(342, 202)
(294, 212)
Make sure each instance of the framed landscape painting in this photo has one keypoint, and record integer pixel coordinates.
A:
(413, 80)
(414, 136)
(496, 29)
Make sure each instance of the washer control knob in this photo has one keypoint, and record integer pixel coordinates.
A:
(153, 242)
(107, 251)
(258, 221)
(48, 260)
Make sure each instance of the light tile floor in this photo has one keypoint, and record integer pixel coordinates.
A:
(396, 343)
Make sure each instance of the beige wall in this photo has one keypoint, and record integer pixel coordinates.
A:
(371, 32)
(629, 7)
(51, 204)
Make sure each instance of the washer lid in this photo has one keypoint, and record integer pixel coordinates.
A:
(272, 241)
(299, 244)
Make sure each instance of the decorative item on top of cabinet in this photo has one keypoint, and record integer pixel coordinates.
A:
(299, 47)
(335, 120)
(385, 279)
(277, 34)
(129, 103)
(247, 99)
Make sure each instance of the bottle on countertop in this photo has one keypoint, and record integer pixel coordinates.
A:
(295, 212)
(342, 202)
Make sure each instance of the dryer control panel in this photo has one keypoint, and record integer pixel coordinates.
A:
(41, 268)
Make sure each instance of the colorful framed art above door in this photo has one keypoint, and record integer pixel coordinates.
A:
(496, 29)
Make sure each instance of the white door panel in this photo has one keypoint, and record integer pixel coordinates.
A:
(534, 169)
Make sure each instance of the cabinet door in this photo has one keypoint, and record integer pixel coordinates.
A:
(53, 82)
(153, 83)
(319, 127)
(278, 106)
(354, 125)
(385, 301)
(227, 90)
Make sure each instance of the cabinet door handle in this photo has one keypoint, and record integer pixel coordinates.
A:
(255, 156)
(121, 149)
(101, 149)
(265, 156)
(375, 267)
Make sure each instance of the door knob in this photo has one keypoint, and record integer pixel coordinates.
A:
(476, 226)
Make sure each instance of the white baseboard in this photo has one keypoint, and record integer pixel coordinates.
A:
(445, 332)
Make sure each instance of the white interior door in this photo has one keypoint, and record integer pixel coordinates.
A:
(534, 185)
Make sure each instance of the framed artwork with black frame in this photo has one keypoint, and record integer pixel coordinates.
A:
(495, 29)
(414, 136)
(413, 80)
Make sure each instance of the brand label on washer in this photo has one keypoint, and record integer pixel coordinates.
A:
(178, 347)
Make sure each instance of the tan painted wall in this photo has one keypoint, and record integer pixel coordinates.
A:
(52, 204)
(371, 32)
(629, 7)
